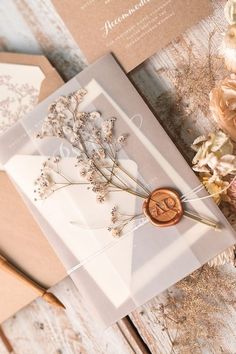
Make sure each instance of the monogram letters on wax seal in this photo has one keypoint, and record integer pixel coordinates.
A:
(163, 207)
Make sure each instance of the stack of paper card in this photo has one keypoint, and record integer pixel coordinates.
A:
(115, 275)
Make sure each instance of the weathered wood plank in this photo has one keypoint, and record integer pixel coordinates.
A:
(42, 329)
(167, 322)
(176, 82)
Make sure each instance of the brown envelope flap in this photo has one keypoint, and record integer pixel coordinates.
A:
(14, 296)
(52, 79)
(24, 243)
(21, 240)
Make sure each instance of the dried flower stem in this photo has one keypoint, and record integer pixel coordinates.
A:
(141, 185)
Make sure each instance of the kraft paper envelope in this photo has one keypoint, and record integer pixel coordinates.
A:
(24, 80)
(52, 79)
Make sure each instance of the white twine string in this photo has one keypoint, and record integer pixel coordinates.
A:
(143, 221)
(193, 191)
(108, 246)
(184, 198)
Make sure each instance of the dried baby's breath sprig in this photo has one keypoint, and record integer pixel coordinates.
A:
(96, 148)
(51, 179)
(120, 221)
(122, 139)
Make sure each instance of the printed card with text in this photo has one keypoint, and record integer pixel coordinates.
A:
(132, 30)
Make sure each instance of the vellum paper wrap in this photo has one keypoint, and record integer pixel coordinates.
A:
(115, 279)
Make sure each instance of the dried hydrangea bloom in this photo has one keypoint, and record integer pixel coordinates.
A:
(214, 155)
(223, 105)
(217, 188)
(216, 164)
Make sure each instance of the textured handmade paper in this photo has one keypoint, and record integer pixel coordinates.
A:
(132, 30)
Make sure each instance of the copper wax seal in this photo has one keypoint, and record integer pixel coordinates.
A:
(163, 207)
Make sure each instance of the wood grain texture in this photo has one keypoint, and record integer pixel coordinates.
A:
(33, 26)
(158, 81)
(42, 329)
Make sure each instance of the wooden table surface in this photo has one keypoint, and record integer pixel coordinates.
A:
(198, 315)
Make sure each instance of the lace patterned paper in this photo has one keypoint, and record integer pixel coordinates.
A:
(19, 91)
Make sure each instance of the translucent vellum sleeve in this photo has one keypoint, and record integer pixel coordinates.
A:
(114, 275)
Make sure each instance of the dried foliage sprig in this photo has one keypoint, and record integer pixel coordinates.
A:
(187, 312)
(96, 149)
(48, 181)
(119, 221)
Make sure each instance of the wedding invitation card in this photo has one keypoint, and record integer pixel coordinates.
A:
(132, 30)
(92, 155)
